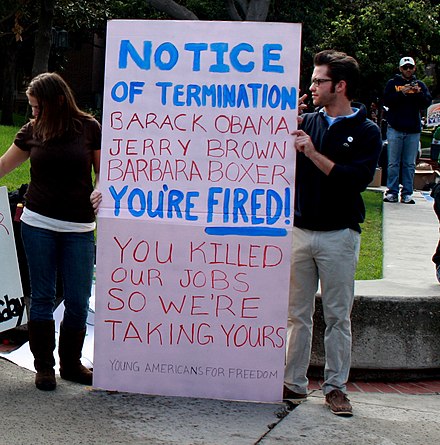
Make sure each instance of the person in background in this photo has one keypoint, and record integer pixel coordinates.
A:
(63, 146)
(337, 149)
(374, 114)
(435, 193)
(405, 97)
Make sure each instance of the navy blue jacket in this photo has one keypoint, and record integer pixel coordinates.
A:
(334, 202)
(404, 109)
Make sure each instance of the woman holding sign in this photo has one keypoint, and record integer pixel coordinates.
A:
(58, 222)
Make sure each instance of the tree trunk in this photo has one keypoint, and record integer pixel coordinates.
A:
(257, 10)
(10, 54)
(233, 11)
(43, 40)
(173, 9)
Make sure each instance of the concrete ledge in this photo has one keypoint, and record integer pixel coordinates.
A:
(396, 320)
(392, 336)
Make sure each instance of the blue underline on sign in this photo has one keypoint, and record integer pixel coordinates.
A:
(246, 231)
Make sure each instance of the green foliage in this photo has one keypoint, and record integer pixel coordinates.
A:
(132, 9)
(314, 16)
(378, 33)
(370, 266)
(73, 15)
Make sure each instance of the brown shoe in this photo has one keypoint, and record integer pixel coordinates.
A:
(293, 396)
(339, 403)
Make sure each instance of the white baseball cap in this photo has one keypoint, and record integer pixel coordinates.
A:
(406, 61)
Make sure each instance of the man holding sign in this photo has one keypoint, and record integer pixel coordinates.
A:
(337, 150)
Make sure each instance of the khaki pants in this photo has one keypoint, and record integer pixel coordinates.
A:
(329, 258)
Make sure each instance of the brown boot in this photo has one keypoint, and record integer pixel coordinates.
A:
(70, 346)
(42, 345)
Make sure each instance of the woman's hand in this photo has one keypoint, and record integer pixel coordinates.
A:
(95, 199)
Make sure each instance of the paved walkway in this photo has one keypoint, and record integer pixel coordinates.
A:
(74, 414)
(410, 236)
(384, 413)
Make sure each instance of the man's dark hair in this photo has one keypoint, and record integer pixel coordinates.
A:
(340, 67)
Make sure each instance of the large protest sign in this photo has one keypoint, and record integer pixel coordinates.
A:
(194, 231)
(12, 306)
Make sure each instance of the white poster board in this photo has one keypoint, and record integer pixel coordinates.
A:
(12, 306)
(433, 115)
(194, 231)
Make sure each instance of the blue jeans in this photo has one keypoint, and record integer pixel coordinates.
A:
(68, 254)
(402, 154)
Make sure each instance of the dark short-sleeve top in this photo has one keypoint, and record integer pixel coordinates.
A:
(61, 172)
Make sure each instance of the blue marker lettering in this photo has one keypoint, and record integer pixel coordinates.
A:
(193, 94)
(220, 67)
(152, 213)
(274, 207)
(274, 96)
(196, 48)
(190, 205)
(240, 198)
(173, 54)
(287, 205)
(119, 91)
(117, 197)
(135, 89)
(255, 88)
(126, 48)
(228, 96)
(209, 91)
(255, 206)
(178, 92)
(270, 55)
(243, 68)
(226, 200)
(212, 201)
(175, 197)
(136, 193)
(164, 86)
(242, 97)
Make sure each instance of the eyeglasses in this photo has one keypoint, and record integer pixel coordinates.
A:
(318, 82)
(408, 67)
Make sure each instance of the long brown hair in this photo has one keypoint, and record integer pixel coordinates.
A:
(59, 114)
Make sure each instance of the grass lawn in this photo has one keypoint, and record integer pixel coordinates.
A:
(21, 174)
(370, 266)
(371, 256)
